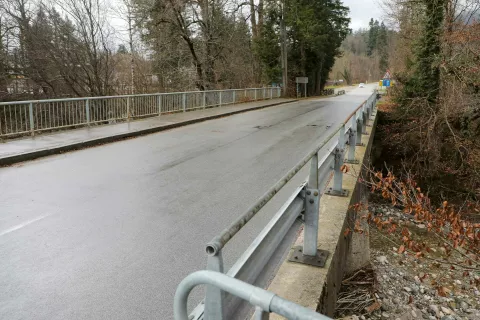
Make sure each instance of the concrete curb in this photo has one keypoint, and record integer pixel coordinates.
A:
(26, 156)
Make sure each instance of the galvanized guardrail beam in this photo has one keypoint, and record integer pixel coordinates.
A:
(306, 199)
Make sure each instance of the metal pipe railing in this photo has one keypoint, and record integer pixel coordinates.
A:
(265, 301)
(33, 116)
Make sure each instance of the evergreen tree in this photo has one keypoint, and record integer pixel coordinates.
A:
(382, 47)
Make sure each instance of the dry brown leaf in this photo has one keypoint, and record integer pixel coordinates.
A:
(373, 307)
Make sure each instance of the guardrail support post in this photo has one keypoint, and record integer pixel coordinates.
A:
(32, 123)
(184, 102)
(338, 164)
(271, 93)
(312, 198)
(352, 141)
(365, 120)
(263, 96)
(87, 111)
(213, 295)
(308, 253)
(359, 129)
(234, 96)
(220, 98)
(204, 99)
(255, 94)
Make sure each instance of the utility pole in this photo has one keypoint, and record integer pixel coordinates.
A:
(283, 48)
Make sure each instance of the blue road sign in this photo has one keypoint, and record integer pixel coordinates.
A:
(386, 83)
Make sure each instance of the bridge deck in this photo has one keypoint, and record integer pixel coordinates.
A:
(109, 232)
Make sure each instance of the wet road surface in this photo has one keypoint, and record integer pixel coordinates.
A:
(109, 232)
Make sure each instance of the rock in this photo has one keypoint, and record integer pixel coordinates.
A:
(452, 304)
(390, 293)
(421, 226)
(422, 290)
(407, 289)
(433, 309)
(417, 279)
(470, 311)
(446, 310)
(414, 288)
(447, 318)
(458, 282)
(432, 318)
(382, 259)
(385, 315)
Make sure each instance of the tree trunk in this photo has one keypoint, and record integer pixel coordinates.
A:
(253, 20)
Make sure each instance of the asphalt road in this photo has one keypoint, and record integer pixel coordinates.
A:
(109, 232)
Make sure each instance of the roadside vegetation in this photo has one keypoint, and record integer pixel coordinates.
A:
(423, 217)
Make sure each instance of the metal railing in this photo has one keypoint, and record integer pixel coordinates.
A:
(306, 198)
(30, 117)
(264, 301)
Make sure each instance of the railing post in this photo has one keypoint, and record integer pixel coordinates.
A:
(255, 94)
(214, 309)
(271, 93)
(260, 314)
(359, 128)
(312, 203)
(263, 96)
(365, 120)
(32, 123)
(204, 99)
(234, 96)
(352, 140)
(128, 108)
(339, 152)
(87, 111)
(220, 98)
(159, 102)
(184, 102)
(245, 97)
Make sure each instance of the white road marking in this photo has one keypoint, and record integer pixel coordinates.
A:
(19, 226)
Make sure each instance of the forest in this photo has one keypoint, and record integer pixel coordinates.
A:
(68, 48)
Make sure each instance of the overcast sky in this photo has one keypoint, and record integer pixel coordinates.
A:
(361, 11)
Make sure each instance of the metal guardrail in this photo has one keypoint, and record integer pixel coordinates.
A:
(306, 198)
(264, 301)
(29, 117)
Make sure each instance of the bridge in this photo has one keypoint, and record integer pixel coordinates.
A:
(111, 231)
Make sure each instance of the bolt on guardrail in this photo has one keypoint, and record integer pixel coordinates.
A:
(306, 199)
(30, 117)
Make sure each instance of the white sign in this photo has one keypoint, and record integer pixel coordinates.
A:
(302, 80)
(387, 75)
